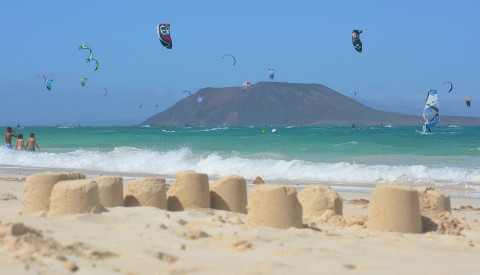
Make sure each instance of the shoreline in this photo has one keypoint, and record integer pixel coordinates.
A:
(459, 192)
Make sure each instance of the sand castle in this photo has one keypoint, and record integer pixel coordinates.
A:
(146, 192)
(316, 199)
(110, 189)
(229, 193)
(395, 207)
(188, 191)
(274, 206)
(38, 188)
(74, 197)
(432, 201)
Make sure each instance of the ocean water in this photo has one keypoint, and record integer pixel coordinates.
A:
(448, 159)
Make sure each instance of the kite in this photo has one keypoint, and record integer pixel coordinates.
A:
(200, 99)
(83, 81)
(48, 81)
(234, 59)
(451, 85)
(163, 31)
(467, 100)
(187, 91)
(86, 47)
(96, 61)
(271, 73)
(245, 85)
(106, 91)
(357, 44)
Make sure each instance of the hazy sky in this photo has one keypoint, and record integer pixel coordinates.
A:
(408, 48)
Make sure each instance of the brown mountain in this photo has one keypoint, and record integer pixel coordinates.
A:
(278, 103)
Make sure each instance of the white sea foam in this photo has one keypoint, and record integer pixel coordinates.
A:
(269, 167)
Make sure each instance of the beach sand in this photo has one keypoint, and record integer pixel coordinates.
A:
(149, 240)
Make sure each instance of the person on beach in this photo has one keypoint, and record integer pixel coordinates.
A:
(20, 144)
(32, 142)
(8, 137)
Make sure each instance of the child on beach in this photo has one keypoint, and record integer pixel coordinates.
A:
(20, 143)
(32, 142)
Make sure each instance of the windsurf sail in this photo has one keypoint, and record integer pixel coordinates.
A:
(431, 113)
(467, 100)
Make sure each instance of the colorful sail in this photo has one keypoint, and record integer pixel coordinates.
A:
(245, 85)
(467, 100)
(357, 43)
(84, 79)
(163, 31)
(271, 73)
(431, 113)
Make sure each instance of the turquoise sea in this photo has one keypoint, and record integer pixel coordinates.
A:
(448, 158)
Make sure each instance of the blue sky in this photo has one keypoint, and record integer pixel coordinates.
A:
(409, 47)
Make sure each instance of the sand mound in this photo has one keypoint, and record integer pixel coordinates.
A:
(316, 199)
(229, 193)
(396, 208)
(38, 187)
(73, 197)
(274, 206)
(146, 192)
(188, 191)
(110, 189)
(444, 223)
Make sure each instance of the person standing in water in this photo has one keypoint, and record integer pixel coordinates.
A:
(32, 142)
(20, 145)
(8, 137)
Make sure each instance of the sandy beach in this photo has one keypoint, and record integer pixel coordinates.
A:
(149, 240)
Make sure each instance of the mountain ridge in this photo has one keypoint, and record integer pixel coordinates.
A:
(282, 103)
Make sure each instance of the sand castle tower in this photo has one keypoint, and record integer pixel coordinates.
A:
(74, 197)
(274, 206)
(38, 188)
(432, 201)
(396, 208)
(229, 193)
(316, 199)
(110, 189)
(146, 192)
(188, 191)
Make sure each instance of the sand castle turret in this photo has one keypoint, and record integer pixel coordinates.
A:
(396, 208)
(146, 192)
(274, 206)
(38, 188)
(316, 199)
(188, 191)
(110, 189)
(74, 197)
(432, 201)
(229, 193)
